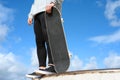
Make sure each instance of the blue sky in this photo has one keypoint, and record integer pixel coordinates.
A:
(91, 28)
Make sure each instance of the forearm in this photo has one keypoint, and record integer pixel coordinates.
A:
(30, 15)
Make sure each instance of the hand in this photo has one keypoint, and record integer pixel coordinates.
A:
(29, 21)
(49, 7)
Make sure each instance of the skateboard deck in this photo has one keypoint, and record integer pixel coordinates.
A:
(57, 40)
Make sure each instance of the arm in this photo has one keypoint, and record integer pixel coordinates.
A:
(30, 15)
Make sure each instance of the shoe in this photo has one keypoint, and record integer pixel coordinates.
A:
(32, 75)
(49, 70)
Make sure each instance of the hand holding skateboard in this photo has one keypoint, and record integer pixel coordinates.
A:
(49, 7)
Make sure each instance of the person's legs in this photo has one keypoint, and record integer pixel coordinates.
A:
(42, 19)
(50, 69)
(40, 43)
(50, 61)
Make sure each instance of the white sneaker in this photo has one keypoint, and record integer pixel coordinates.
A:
(32, 75)
(49, 70)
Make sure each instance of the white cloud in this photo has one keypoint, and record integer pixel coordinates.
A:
(6, 16)
(110, 12)
(76, 63)
(115, 37)
(34, 60)
(99, 3)
(112, 61)
(11, 67)
(34, 65)
(3, 32)
(92, 64)
(17, 39)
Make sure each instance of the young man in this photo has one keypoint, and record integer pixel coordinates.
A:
(37, 13)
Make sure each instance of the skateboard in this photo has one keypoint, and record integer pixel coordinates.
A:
(57, 41)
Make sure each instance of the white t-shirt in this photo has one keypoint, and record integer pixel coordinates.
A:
(39, 6)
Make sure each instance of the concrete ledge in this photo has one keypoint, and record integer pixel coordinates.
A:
(98, 74)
